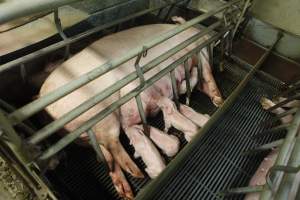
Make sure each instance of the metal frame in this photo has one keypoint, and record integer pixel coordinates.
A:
(21, 114)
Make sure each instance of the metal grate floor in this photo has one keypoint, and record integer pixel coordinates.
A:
(216, 163)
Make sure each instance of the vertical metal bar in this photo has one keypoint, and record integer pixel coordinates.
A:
(61, 33)
(199, 68)
(187, 80)
(211, 54)
(246, 5)
(222, 46)
(142, 115)
(96, 147)
(174, 88)
(169, 12)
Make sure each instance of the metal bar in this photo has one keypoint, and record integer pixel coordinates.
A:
(283, 155)
(246, 5)
(187, 81)
(199, 69)
(242, 190)
(71, 40)
(288, 178)
(275, 129)
(211, 54)
(185, 152)
(96, 147)
(61, 32)
(282, 103)
(59, 123)
(288, 91)
(42, 102)
(142, 114)
(11, 10)
(281, 115)
(169, 12)
(174, 88)
(101, 115)
(264, 147)
(222, 46)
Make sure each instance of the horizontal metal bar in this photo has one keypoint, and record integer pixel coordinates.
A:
(105, 112)
(242, 190)
(275, 129)
(288, 91)
(59, 123)
(283, 155)
(264, 147)
(185, 152)
(37, 105)
(281, 115)
(10, 10)
(71, 40)
(282, 103)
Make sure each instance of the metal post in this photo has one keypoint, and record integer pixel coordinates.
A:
(187, 80)
(199, 69)
(96, 147)
(142, 115)
(174, 88)
(222, 46)
(61, 33)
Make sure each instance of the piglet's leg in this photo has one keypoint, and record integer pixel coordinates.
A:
(197, 118)
(209, 86)
(119, 181)
(176, 119)
(145, 149)
(169, 144)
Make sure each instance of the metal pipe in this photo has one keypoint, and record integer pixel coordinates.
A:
(37, 105)
(288, 91)
(246, 5)
(184, 153)
(288, 178)
(96, 147)
(11, 10)
(59, 123)
(283, 155)
(264, 147)
(242, 190)
(187, 81)
(105, 112)
(60, 31)
(275, 129)
(142, 115)
(281, 115)
(174, 88)
(71, 40)
(282, 103)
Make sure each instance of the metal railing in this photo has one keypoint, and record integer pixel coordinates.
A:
(23, 113)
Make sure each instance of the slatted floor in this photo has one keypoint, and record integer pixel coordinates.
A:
(216, 163)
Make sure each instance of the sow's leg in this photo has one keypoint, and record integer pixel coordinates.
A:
(117, 176)
(173, 117)
(209, 85)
